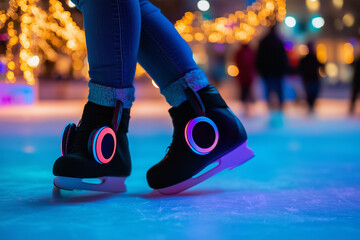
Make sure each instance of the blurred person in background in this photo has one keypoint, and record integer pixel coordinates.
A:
(245, 61)
(217, 63)
(272, 64)
(355, 86)
(118, 34)
(309, 67)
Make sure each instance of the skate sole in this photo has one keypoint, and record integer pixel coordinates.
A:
(231, 160)
(101, 184)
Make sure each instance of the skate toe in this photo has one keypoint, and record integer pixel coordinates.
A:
(165, 175)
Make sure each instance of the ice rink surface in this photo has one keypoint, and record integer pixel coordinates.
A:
(304, 182)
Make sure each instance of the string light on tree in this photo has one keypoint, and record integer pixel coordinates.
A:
(38, 36)
(238, 26)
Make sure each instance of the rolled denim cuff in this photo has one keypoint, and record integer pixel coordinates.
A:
(107, 96)
(174, 93)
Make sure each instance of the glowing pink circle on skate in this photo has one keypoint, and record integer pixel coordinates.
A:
(96, 145)
(189, 135)
(62, 139)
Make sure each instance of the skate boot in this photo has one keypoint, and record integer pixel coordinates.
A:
(95, 154)
(205, 132)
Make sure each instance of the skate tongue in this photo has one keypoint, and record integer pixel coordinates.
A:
(95, 114)
(117, 115)
(195, 102)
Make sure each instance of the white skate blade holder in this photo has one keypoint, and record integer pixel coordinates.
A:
(231, 160)
(101, 184)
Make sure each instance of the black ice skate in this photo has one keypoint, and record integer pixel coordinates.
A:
(96, 152)
(205, 132)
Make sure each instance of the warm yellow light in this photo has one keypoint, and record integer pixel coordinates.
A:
(199, 36)
(11, 24)
(10, 76)
(252, 18)
(24, 55)
(348, 19)
(27, 74)
(348, 53)
(77, 64)
(303, 50)
(241, 35)
(233, 70)
(188, 37)
(23, 67)
(26, 44)
(270, 6)
(313, 5)
(33, 61)
(214, 37)
(321, 53)
(322, 73)
(338, 3)
(154, 84)
(11, 65)
(189, 15)
(11, 32)
(331, 69)
(71, 44)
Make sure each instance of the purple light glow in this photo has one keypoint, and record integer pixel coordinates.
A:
(189, 135)
(289, 46)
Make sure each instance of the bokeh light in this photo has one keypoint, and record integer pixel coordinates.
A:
(313, 5)
(338, 3)
(203, 5)
(348, 19)
(303, 50)
(233, 70)
(290, 21)
(33, 61)
(331, 70)
(318, 22)
(348, 53)
(321, 53)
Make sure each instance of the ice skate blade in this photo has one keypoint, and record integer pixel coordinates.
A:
(231, 160)
(105, 184)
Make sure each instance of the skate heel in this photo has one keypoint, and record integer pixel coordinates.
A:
(231, 160)
(237, 157)
(102, 184)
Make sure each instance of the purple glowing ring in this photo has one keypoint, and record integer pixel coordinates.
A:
(189, 135)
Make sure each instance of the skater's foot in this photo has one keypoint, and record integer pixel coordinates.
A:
(79, 169)
(199, 143)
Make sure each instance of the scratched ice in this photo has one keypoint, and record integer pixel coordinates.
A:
(303, 183)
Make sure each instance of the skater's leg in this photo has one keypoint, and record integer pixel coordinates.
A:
(166, 56)
(112, 30)
(279, 91)
(168, 60)
(355, 91)
(268, 89)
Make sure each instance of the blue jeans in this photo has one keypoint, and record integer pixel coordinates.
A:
(274, 84)
(120, 33)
